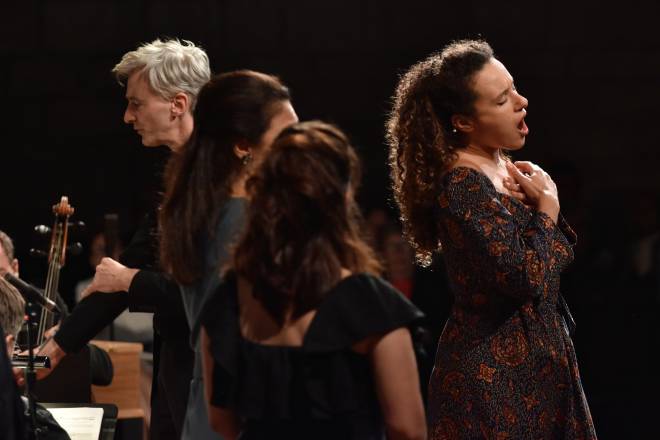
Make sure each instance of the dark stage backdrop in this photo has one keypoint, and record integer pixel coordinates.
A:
(590, 71)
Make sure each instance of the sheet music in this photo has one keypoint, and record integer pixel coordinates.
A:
(79, 423)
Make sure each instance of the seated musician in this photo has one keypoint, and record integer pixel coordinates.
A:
(100, 362)
(12, 311)
(12, 419)
(12, 416)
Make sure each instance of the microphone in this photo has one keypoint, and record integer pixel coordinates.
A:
(31, 294)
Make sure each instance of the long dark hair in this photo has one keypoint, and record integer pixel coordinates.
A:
(235, 107)
(422, 140)
(304, 225)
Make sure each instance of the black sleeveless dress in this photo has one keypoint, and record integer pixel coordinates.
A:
(321, 389)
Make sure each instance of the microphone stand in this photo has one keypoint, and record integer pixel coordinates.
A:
(30, 377)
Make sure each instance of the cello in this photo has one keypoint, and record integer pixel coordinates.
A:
(56, 260)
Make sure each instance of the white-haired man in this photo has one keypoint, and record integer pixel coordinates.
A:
(162, 81)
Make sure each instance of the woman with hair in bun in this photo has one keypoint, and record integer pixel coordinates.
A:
(303, 339)
(505, 365)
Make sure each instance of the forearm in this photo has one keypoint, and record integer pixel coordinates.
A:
(513, 260)
(550, 208)
(125, 277)
(88, 318)
(520, 269)
(153, 291)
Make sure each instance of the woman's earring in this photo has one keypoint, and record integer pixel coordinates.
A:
(247, 159)
(453, 130)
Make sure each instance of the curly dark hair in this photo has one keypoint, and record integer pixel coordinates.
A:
(231, 108)
(422, 140)
(303, 223)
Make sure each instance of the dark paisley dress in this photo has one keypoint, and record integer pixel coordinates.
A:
(505, 366)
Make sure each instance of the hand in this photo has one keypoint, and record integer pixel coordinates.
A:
(538, 187)
(515, 190)
(111, 276)
(51, 349)
(51, 331)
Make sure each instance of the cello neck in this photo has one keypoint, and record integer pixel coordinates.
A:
(56, 260)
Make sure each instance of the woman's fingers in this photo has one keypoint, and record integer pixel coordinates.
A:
(519, 195)
(525, 182)
(526, 167)
(517, 174)
(513, 187)
(515, 190)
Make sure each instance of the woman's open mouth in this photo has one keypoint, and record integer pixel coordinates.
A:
(522, 127)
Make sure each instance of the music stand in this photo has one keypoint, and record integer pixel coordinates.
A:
(109, 422)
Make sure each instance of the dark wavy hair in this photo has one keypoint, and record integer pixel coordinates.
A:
(304, 225)
(421, 138)
(235, 107)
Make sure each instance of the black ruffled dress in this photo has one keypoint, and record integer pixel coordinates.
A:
(320, 390)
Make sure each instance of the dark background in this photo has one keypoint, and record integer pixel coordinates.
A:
(590, 71)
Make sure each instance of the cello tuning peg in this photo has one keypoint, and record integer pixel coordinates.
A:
(74, 248)
(42, 229)
(37, 253)
(78, 225)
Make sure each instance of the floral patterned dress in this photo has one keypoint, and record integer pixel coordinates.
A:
(505, 366)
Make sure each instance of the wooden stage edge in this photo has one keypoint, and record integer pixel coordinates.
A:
(130, 389)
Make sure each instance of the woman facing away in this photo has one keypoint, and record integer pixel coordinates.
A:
(505, 365)
(302, 339)
(237, 116)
